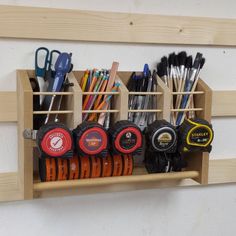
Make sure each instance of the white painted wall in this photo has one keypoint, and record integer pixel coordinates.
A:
(182, 211)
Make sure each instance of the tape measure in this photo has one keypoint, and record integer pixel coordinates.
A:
(55, 140)
(161, 136)
(161, 162)
(117, 165)
(85, 167)
(62, 169)
(195, 135)
(74, 167)
(156, 162)
(126, 138)
(96, 167)
(107, 166)
(91, 139)
(47, 169)
(128, 165)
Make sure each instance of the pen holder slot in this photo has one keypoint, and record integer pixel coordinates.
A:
(202, 100)
(162, 96)
(117, 109)
(68, 114)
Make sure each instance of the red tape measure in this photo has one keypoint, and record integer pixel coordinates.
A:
(117, 165)
(96, 167)
(85, 167)
(127, 165)
(47, 169)
(107, 166)
(74, 168)
(55, 140)
(62, 169)
(126, 138)
(91, 139)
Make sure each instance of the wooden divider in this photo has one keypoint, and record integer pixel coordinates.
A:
(202, 99)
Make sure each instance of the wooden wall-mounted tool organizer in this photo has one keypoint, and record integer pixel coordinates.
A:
(71, 113)
(137, 28)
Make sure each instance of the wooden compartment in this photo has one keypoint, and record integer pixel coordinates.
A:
(72, 112)
(202, 98)
(198, 163)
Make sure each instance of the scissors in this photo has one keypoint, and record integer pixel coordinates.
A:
(45, 72)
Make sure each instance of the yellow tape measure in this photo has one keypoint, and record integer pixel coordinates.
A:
(195, 135)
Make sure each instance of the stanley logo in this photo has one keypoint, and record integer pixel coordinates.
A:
(194, 135)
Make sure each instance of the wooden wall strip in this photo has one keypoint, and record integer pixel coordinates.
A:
(9, 188)
(224, 103)
(8, 112)
(222, 171)
(61, 24)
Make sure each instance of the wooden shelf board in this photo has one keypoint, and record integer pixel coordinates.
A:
(63, 24)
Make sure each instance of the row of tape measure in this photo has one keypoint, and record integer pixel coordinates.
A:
(94, 140)
(165, 146)
(83, 167)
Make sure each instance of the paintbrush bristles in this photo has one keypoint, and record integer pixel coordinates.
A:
(181, 73)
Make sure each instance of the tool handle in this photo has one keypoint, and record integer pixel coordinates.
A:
(41, 71)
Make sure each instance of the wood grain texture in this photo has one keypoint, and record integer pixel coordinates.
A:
(120, 100)
(8, 107)
(224, 103)
(222, 171)
(25, 120)
(164, 100)
(204, 100)
(9, 188)
(61, 24)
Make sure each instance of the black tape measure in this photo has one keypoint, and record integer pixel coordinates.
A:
(161, 136)
(126, 138)
(91, 139)
(195, 135)
(161, 162)
(55, 140)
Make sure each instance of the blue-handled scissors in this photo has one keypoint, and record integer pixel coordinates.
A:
(45, 72)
